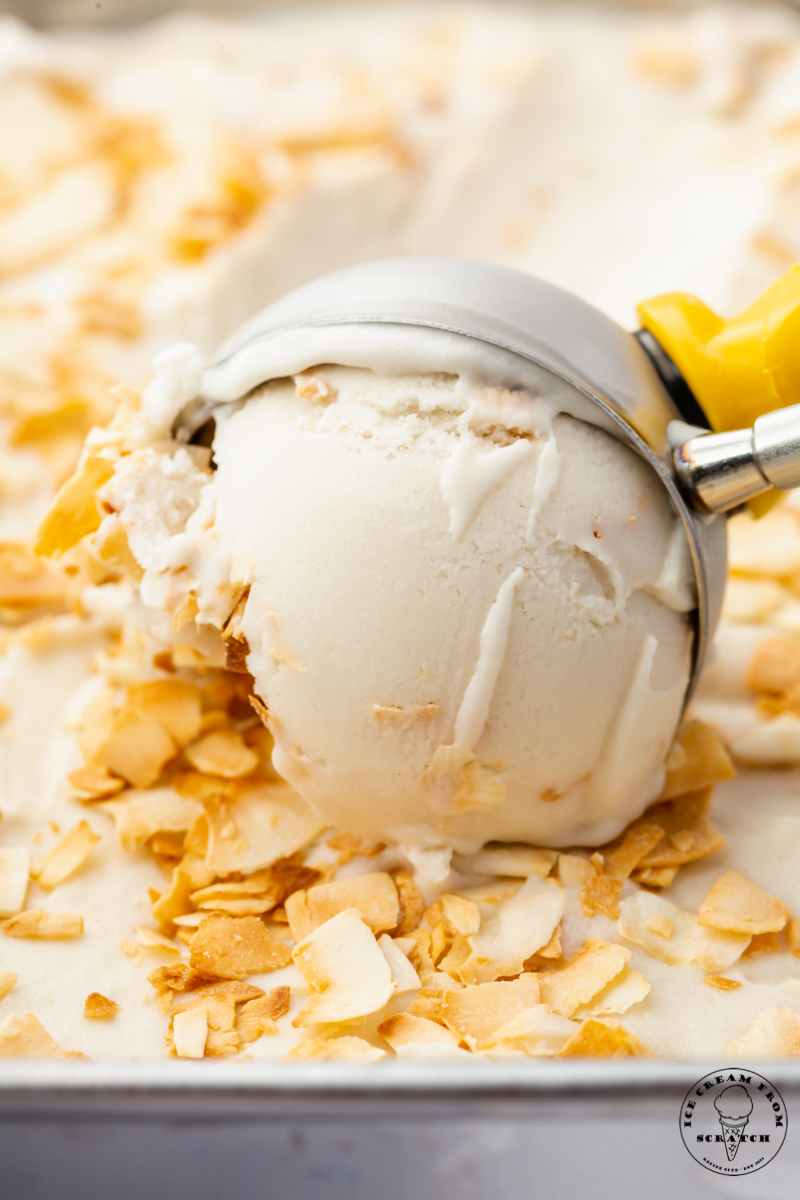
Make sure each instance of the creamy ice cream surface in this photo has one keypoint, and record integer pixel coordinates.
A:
(454, 613)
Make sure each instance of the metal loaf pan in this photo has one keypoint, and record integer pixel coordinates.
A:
(605, 1130)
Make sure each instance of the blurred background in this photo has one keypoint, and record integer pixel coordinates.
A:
(166, 170)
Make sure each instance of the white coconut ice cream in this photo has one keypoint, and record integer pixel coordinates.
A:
(466, 610)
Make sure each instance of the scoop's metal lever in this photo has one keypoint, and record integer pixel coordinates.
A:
(718, 471)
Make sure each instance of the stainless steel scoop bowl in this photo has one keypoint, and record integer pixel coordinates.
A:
(608, 367)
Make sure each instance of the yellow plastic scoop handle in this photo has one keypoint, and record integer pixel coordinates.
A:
(739, 368)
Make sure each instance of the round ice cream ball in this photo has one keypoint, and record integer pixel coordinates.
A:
(466, 612)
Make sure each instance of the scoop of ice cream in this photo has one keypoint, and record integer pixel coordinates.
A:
(465, 610)
(734, 1103)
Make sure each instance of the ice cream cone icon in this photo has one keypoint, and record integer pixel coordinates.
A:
(734, 1106)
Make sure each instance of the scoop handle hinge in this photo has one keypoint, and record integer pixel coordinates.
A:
(719, 471)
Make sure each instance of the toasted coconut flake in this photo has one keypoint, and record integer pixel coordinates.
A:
(217, 1001)
(412, 903)
(775, 666)
(635, 844)
(596, 1039)
(189, 1033)
(126, 741)
(419, 955)
(404, 718)
(264, 823)
(175, 705)
(475, 1013)
(428, 1004)
(75, 510)
(589, 972)
(722, 983)
(7, 981)
(793, 937)
(661, 925)
(236, 946)
(14, 875)
(739, 906)
(517, 928)
(690, 942)
(343, 964)
(152, 939)
(25, 1037)
(574, 871)
(535, 1031)
(600, 894)
(404, 1030)
(459, 914)
(326, 1049)
(404, 977)
(698, 759)
(774, 1033)
(178, 977)
(28, 582)
(94, 783)
(139, 815)
(452, 962)
(258, 1017)
(66, 856)
(374, 895)
(222, 753)
(177, 901)
(688, 834)
(655, 877)
(98, 1007)
(36, 923)
(349, 847)
(626, 989)
(498, 858)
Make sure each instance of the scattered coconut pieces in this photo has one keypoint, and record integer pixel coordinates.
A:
(98, 1007)
(712, 949)
(404, 1030)
(7, 981)
(257, 1017)
(189, 1033)
(536, 1032)
(507, 858)
(126, 740)
(233, 947)
(36, 923)
(90, 783)
(25, 1037)
(698, 759)
(373, 895)
(476, 1012)
(264, 822)
(514, 931)
(737, 905)
(15, 865)
(327, 1049)
(175, 705)
(589, 972)
(775, 1032)
(349, 846)
(412, 902)
(722, 983)
(596, 1039)
(346, 970)
(217, 1002)
(139, 815)
(66, 856)
(222, 753)
(404, 977)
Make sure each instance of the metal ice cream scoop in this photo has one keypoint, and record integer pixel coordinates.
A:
(661, 391)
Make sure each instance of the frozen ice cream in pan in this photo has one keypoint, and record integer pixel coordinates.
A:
(472, 526)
